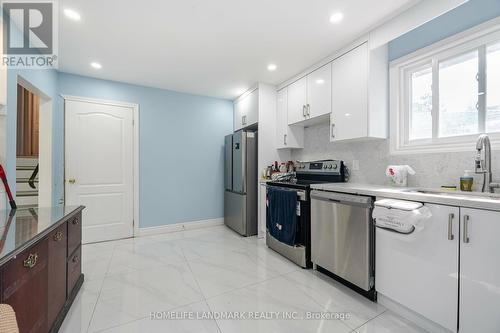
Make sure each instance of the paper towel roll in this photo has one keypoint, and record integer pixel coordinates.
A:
(399, 174)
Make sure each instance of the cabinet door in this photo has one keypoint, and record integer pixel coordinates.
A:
(57, 272)
(297, 101)
(319, 92)
(420, 270)
(74, 233)
(479, 271)
(74, 269)
(252, 108)
(281, 118)
(261, 232)
(24, 287)
(349, 117)
(238, 115)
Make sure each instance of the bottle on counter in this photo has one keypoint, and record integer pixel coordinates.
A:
(466, 181)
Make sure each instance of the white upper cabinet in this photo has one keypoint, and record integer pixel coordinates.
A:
(319, 92)
(246, 110)
(311, 96)
(297, 100)
(286, 136)
(479, 271)
(237, 118)
(360, 94)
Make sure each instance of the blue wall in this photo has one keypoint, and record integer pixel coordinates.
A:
(181, 147)
(457, 20)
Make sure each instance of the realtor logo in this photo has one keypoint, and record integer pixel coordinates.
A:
(28, 34)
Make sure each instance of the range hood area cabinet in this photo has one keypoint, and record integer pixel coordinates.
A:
(360, 94)
(286, 136)
(246, 110)
(310, 97)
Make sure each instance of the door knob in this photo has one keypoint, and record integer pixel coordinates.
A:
(72, 181)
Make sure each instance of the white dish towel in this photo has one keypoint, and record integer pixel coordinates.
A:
(401, 216)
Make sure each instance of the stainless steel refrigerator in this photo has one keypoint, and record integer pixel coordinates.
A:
(240, 195)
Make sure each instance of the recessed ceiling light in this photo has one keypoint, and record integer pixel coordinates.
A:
(70, 13)
(320, 81)
(272, 67)
(96, 65)
(336, 17)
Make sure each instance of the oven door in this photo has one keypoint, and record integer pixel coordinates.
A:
(300, 253)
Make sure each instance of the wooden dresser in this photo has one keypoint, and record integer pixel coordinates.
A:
(40, 265)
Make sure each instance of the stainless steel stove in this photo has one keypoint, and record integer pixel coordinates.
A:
(307, 173)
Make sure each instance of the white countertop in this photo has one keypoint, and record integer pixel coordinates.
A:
(487, 201)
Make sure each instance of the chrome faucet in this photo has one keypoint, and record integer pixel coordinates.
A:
(483, 165)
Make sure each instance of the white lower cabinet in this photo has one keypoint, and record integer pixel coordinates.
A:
(286, 136)
(449, 272)
(479, 271)
(261, 228)
(420, 270)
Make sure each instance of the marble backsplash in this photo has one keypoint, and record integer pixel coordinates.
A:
(433, 169)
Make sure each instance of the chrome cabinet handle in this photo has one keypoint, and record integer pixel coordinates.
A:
(31, 261)
(450, 226)
(333, 134)
(303, 111)
(308, 110)
(284, 139)
(466, 229)
(243, 120)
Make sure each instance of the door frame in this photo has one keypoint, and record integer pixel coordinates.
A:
(135, 153)
(45, 160)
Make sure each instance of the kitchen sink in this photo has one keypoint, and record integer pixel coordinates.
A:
(479, 195)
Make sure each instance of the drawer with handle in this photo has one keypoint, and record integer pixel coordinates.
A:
(74, 269)
(57, 272)
(24, 287)
(74, 233)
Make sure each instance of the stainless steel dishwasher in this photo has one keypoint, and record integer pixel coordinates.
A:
(342, 237)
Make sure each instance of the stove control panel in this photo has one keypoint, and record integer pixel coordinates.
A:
(327, 166)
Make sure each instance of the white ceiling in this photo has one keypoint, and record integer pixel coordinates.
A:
(210, 47)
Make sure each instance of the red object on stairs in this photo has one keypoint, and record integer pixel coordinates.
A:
(7, 188)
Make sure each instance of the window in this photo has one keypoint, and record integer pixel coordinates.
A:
(493, 86)
(442, 97)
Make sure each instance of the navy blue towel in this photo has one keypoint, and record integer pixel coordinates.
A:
(281, 214)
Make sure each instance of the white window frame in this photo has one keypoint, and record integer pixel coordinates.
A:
(400, 69)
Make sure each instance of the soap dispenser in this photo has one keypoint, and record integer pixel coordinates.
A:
(466, 181)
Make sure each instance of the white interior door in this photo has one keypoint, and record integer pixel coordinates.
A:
(99, 167)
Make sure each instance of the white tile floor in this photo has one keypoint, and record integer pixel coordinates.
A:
(211, 270)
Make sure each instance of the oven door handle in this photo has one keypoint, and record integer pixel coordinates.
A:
(301, 194)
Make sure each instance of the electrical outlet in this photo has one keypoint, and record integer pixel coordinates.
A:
(355, 165)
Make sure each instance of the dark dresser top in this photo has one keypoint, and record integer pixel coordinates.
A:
(19, 229)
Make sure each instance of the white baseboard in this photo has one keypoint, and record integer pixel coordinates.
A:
(410, 315)
(180, 227)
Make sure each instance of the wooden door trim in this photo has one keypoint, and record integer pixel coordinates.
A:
(136, 154)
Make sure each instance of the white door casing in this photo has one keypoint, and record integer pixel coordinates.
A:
(99, 166)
